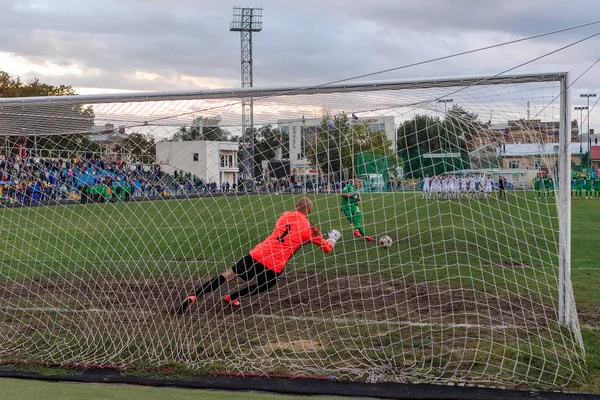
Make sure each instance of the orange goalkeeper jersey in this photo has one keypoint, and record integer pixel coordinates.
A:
(292, 230)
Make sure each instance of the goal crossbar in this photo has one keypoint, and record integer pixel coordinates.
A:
(240, 93)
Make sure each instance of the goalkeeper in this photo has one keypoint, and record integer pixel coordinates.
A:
(350, 199)
(266, 261)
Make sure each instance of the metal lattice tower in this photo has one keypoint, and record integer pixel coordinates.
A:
(247, 20)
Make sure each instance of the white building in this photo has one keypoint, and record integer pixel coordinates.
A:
(294, 129)
(210, 161)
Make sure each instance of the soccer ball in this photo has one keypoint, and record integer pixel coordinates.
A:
(385, 241)
(334, 234)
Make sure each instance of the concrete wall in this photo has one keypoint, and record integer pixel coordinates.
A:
(180, 156)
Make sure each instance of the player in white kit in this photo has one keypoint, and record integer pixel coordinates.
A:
(482, 182)
(489, 183)
(463, 186)
(472, 186)
(435, 183)
(454, 186)
(426, 186)
(444, 187)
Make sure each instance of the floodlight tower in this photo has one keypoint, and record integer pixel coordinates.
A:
(247, 20)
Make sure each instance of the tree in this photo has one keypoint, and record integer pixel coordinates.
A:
(48, 127)
(333, 145)
(426, 134)
(485, 157)
(462, 126)
(140, 148)
(203, 128)
(266, 141)
(329, 145)
(62, 146)
(14, 87)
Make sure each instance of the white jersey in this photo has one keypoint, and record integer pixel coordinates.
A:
(427, 184)
(444, 185)
(463, 185)
(489, 183)
(435, 184)
(450, 181)
(482, 183)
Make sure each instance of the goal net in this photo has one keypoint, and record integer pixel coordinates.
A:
(116, 207)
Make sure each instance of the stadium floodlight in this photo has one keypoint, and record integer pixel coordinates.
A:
(445, 101)
(468, 289)
(580, 109)
(247, 20)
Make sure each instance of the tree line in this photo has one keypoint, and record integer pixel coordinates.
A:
(434, 145)
(63, 130)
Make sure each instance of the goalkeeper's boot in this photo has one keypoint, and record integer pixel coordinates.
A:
(369, 238)
(185, 305)
(357, 233)
(227, 299)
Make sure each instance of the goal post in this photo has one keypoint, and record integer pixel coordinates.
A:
(567, 312)
(118, 207)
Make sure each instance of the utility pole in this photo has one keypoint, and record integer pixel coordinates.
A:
(445, 101)
(580, 109)
(247, 20)
(588, 127)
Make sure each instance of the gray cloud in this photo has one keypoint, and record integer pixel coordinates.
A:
(302, 42)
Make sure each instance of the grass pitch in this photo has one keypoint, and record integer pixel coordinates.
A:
(494, 254)
(15, 389)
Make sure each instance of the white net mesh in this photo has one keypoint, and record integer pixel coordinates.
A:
(115, 209)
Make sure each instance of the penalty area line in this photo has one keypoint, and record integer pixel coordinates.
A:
(397, 323)
(324, 320)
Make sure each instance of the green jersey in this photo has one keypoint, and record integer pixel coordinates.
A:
(580, 181)
(588, 182)
(597, 183)
(350, 201)
(536, 183)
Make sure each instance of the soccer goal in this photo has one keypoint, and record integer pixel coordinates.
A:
(453, 264)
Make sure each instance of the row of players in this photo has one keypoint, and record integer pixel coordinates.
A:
(585, 183)
(444, 187)
(453, 187)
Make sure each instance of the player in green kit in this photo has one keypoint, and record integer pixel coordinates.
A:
(589, 186)
(544, 187)
(597, 187)
(537, 182)
(549, 186)
(580, 182)
(350, 199)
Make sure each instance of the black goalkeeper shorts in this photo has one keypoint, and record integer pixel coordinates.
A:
(248, 268)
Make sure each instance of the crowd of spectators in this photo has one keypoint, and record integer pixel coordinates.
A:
(310, 185)
(34, 180)
(26, 180)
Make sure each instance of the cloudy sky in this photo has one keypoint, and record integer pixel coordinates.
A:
(131, 45)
